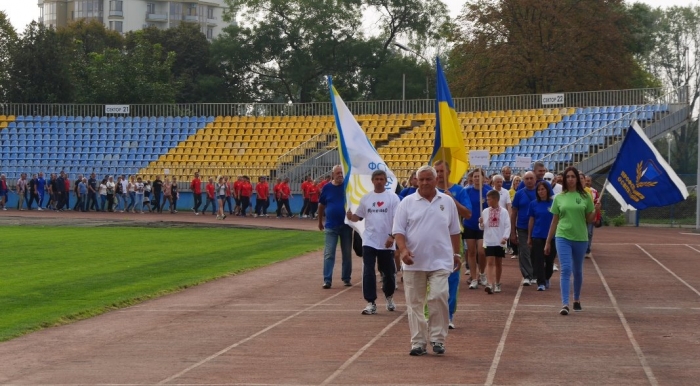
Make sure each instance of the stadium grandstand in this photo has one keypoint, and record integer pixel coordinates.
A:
(285, 140)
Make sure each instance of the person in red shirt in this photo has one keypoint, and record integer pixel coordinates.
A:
(283, 198)
(196, 188)
(262, 201)
(246, 193)
(323, 183)
(237, 194)
(67, 184)
(211, 197)
(314, 193)
(304, 193)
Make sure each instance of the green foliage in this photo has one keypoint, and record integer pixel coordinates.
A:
(140, 75)
(283, 49)
(530, 46)
(39, 68)
(8, 38)
(59, 277)
(619, 220)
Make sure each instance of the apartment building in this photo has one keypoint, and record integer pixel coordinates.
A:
(130, 15)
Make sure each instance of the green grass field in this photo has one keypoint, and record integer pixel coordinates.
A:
(55, 275)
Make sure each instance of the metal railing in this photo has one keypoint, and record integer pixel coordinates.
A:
(418, 106)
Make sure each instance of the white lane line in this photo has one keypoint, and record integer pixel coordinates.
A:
(669, 271)
(361, 351)
(691, 234)
(240, 342)
(637, 349)
(502, 343)
(696, 250)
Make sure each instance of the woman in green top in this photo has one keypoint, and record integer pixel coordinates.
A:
(573, 208)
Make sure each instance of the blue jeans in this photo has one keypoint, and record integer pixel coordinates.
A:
(571, 256)
(103, 201)
(590, 237)
(344, 233)
(453, 288)
(132, 201)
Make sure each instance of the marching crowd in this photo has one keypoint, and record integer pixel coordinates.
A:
(425, 230)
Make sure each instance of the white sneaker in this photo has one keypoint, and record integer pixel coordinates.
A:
(39, 209)
(497, 287)
(555, 269)
(371, 309)
(389, 304)
(526, 282)
(514, 257)
(533, 281)
(255, 216)
(468, 272)
(451, 326)
(482, 279)
(474, 284)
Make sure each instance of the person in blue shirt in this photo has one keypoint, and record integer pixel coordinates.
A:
(332, 207)
(474, 236)
(412, 187)
(507, 174)
(518, 233)
(539, 170)
(41, 188)
(82, 195)
(537, 230)
(464, 209)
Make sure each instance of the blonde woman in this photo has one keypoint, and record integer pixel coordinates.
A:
(221, 190)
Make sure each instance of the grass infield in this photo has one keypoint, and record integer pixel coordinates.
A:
(56, 275)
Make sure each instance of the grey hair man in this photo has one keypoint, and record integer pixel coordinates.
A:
(426, 227)
(332, 208)
(519, 217)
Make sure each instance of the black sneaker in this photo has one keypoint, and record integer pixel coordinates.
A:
(438, 348)
(326, 285)
(577, 307)
(347, 283)
(564, 310)
(417, 351)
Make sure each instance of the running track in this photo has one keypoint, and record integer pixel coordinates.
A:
(276, 326)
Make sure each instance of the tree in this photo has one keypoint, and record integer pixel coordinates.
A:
(8, 38)
(39, 67)
(91, 36)
(532, 46)
(674, 35)
(138, 75)
(192, 59)
(285, 48)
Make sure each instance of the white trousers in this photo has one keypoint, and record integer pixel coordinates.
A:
(416, 287)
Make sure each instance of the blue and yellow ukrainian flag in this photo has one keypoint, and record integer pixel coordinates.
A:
(449, 144)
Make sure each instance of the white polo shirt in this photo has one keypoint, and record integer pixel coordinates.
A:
(427, 226)
(504, 201)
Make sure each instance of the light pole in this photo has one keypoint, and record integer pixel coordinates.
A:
(669, 139)
(427, 88)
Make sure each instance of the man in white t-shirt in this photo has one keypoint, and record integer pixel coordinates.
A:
(504, 202)
(426, 227)
(377, 209)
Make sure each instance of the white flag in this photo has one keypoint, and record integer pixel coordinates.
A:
(358, 157)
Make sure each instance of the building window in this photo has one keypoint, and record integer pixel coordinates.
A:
(151, 8)
(89, 9)
(175, 11)
(116, 5)
(49, 10)
(192, 10)
(210, 12)
(116, 26)
(210, 33)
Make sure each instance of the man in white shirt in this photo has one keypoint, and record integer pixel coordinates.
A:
(556, 187)
(377, 208)
(504, 202)
(426, 227)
